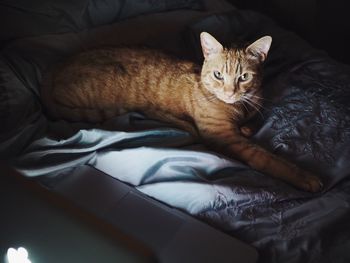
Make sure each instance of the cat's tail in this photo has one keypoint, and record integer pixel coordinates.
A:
(56, 110)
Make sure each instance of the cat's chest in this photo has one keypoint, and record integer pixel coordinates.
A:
(216, 112)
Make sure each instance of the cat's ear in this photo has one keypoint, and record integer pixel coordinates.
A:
(260, 47)
(210, 45)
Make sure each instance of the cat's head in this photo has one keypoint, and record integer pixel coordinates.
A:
(233, 75)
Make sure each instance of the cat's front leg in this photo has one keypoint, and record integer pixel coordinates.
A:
(247, 131)
(234, 145)
(266, 162)
(251, 124)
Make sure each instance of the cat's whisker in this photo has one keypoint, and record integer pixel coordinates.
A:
(253, 102)
(260, 98)
(250, 104)
(245, 106)
(258, 103)
(250, 96)
(255, 96)
(253, 105)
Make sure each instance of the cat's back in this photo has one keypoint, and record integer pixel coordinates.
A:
(124, 56)
(124, 76)
(105, 64)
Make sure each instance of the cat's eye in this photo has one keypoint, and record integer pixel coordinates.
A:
(218, 75)
(244, 77)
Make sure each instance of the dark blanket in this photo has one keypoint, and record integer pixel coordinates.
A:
(306, 119)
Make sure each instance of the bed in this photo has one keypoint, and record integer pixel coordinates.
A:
(306, 119)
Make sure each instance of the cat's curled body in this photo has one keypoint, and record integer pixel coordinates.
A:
(211, 102)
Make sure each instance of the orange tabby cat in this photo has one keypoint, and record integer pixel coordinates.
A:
(211, 102)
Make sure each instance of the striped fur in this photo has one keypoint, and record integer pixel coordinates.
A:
(211, 102)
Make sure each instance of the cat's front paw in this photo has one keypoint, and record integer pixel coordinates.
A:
(247, 131)
(311, 183)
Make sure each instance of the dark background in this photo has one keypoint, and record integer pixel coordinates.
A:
(325, 24)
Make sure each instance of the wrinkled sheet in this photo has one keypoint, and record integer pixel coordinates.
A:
(306, 119)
